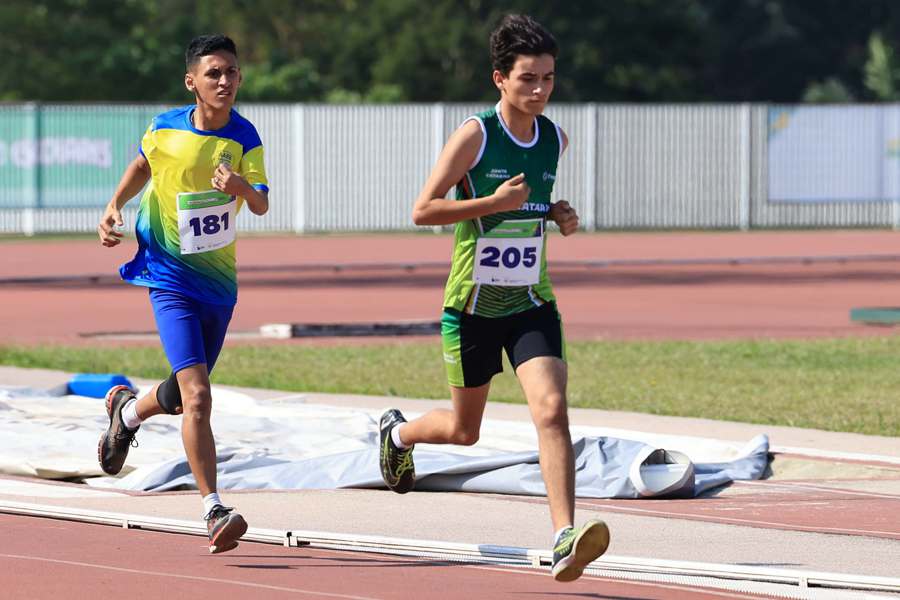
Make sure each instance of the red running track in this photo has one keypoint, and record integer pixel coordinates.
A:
(43, 558)
(658, 301)
(787, 505)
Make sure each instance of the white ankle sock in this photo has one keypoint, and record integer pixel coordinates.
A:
(210, 501)
(130, 416)
(557, 535)
(395, 436)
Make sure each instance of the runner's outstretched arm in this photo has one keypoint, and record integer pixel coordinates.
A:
(432, 208)
(136, 176)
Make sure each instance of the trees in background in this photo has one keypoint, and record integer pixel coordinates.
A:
(414, 51)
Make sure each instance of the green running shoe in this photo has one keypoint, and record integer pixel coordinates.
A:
(397, 468)
(577, 548)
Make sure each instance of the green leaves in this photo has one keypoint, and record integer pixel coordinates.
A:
(407, 51)
(881, 69)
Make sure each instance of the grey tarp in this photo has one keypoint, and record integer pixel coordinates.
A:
(602, 467)
(289, 444)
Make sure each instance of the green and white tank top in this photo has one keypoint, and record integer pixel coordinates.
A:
(499, 263)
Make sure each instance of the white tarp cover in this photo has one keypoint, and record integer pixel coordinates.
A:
(287, 443)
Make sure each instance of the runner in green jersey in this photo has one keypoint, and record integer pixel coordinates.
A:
(498, 296)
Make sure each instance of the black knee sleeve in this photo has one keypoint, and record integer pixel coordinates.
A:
(168, 394)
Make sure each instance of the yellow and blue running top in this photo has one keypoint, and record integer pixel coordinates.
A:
(185, 229)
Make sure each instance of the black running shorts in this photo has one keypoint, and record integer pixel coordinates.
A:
(473, 345)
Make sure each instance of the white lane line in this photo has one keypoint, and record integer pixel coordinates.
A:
(170, 576)
(546, 573)
(680, 588)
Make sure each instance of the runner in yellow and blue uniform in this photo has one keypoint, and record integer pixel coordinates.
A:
(498, 296)
(204, 162)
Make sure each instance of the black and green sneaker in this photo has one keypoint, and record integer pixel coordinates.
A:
(397, 468)
(577, 548)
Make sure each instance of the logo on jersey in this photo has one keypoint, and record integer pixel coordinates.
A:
(498, 174)
(225, 158)
(535, 207)
(550, 176)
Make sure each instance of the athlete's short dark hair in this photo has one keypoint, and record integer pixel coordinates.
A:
(517, 35)
(204, 45)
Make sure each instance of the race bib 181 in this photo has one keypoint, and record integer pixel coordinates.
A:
(205, 221)
(510, 253)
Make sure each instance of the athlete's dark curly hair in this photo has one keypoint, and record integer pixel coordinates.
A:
(205, 45)
(517, 35)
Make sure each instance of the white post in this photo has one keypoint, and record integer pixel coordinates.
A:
(28, 221)
(437, 141)
(33, 190)
(746, 157)
(590, 159)
(890, 181)
(298, 194)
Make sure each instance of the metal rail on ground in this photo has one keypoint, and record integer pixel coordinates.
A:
(728, 576)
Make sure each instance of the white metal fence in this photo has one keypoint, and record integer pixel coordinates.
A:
(359, 168)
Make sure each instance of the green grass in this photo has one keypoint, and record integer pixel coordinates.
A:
(839, 385)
